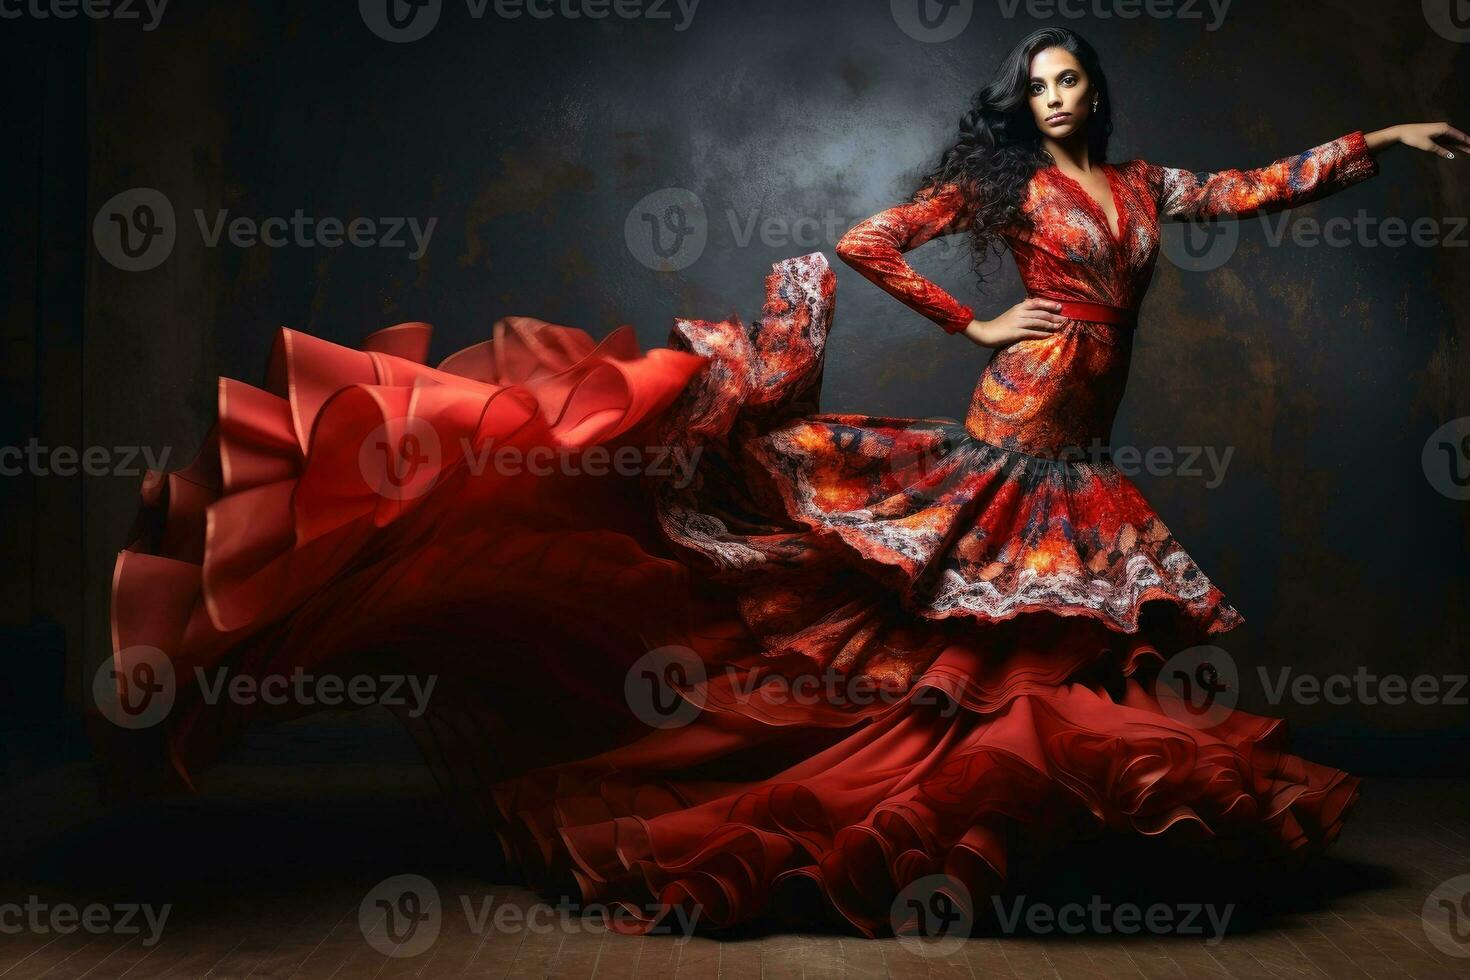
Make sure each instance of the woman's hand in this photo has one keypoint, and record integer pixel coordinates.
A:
(1435, 137)
(1030, 319)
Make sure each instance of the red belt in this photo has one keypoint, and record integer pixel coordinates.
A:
(1074, 309)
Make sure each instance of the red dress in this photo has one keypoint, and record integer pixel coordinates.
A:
(883, 649)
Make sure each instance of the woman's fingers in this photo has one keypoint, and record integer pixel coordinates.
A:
(1456, 138)
(1442, 139)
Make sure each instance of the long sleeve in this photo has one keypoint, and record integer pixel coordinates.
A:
(1290, 181)
(875, 247)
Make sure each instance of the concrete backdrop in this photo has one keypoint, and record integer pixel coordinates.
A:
(530, 140)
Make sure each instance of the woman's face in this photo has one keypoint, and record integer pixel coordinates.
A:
(1060, 93)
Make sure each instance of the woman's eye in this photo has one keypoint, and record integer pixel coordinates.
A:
(1070, 80)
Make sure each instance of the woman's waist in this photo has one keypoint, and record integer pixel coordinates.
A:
(1088, 310)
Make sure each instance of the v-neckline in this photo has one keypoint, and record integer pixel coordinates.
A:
(1107, 168)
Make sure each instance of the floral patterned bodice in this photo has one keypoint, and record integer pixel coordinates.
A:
(1050, 395)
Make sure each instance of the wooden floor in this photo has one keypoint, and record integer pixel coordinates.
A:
(265, 874)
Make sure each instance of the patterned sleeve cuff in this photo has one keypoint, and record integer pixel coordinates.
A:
(959, 321)
(1357, 163)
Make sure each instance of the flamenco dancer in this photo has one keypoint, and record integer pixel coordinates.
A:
(817, 654)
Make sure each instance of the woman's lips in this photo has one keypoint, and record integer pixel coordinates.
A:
(1058, 116)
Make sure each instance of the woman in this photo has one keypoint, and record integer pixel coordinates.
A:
(868, 658)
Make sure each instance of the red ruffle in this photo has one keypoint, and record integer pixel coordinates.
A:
(922, 790)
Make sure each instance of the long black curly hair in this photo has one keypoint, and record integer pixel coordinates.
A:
(999, 146)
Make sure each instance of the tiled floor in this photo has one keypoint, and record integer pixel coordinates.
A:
(264, 877)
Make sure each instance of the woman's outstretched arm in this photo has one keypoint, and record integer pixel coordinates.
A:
(1186, 196)
(1297, 179)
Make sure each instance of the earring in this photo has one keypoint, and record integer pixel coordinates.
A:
(1095, 100)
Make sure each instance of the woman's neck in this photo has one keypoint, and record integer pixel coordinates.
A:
(1070, 153)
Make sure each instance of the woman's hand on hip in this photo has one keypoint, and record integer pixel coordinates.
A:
(1030, 319)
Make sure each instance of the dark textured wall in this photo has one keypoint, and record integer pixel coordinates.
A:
(1324, 369)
